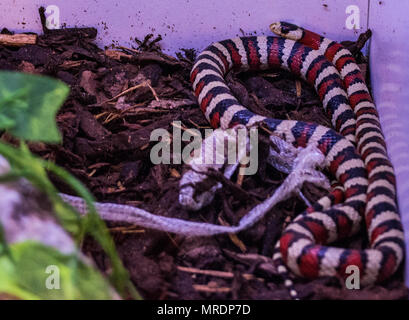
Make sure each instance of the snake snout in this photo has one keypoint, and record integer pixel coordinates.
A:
(276, 28)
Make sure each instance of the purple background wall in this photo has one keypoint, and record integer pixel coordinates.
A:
(184, 23)
(389, 52)
(197, 23)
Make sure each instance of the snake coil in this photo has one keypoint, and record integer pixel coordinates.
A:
(355, 152)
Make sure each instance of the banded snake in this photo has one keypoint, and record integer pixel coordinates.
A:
(355, 152)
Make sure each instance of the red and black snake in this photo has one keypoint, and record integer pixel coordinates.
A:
(355, 152)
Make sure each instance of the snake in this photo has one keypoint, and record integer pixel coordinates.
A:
(364, 188)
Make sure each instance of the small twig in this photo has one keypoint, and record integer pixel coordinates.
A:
(233, 237)
(240, 176)
(71, 64)
(191, 132)
(298, 89)
(198, 126)
(360, 43)
(270, 75)
(204, 288)
(127, 230)
(172, 240)
(248, 195)
(143, 84)
(363, 38)
(153, 90)
(144, 147)
(134, 203)
(101, 114)
(117, 55)
(216, 273)
(43, 19)
(111, 116)
(266, 130)
(128, 49)
(137, 110)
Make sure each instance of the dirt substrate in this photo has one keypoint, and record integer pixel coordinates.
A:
(107, 145)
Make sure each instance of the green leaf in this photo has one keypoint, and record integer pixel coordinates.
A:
(6, 122)
(29, 104)
(42, 272)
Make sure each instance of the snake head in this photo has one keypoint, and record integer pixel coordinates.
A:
(287, 30)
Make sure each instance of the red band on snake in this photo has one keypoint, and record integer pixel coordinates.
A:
(364, 173)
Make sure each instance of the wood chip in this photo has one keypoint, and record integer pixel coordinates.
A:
(18, 40)
(117, 55)
(174, 173)
(26, 67)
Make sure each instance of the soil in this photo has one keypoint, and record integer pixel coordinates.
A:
(106, 144)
